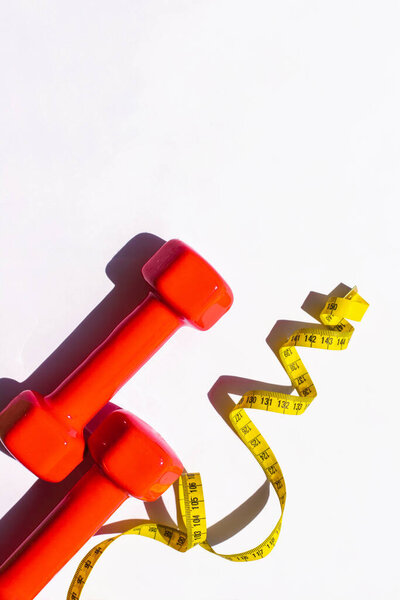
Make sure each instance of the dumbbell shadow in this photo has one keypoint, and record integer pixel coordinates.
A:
(129, 290)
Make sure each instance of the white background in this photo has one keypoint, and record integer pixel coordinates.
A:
(266, 135)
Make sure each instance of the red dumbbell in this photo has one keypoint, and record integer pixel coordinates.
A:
(46, 433)
(130, 459)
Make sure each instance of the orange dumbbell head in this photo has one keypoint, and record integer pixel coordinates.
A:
(188, 284)
(34, 435)
(134, 456)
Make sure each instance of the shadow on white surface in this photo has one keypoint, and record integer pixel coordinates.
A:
(224, 529)
(313, 305)
(129, 290)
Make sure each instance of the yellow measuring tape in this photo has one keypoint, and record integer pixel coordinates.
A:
(335, 335)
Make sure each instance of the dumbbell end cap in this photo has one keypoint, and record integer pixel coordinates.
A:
(134, 456)
(34, 436)
(189, 284)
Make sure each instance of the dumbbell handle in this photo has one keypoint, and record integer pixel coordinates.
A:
(110, 365)
(68, 527)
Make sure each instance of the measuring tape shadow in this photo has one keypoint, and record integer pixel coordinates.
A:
(156, 511)
(219, 397)
(220, 393)
(284, 328)
(315, 302)
(125, 272)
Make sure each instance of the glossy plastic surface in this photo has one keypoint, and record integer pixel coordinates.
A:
(134, 456)
(45, 433)
(188, 284)
(127, 452)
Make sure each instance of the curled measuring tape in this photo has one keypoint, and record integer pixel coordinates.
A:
(334, 335)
